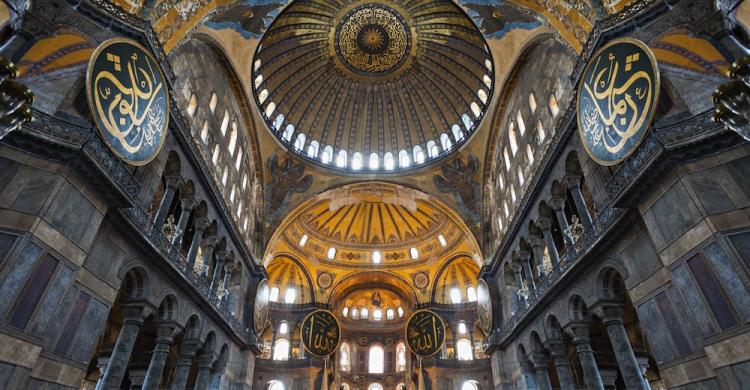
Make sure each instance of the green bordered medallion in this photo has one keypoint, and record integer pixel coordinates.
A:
(617, 98)
(129, 100)
(425, 333)
(320, 333)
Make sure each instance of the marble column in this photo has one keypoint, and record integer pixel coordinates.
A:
(538, 254)
(545, 224)
(273, 344)
(164, 339)
(221, 256)
(200, 227)
(161, 214)
(187, 207)
(574, 184)
(204, 371)
(118, 362)
(558, 206)
(101, 364)
(519, 283)
(209, 243)
(562, 367)
(643, 365)
(618, 337)
(184, 362)
(525, 259)
(580, 334)
(539, 362)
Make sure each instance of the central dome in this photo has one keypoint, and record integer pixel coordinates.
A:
(372, 87)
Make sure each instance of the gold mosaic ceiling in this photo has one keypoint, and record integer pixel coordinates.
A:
(369, 233)
(363, 86)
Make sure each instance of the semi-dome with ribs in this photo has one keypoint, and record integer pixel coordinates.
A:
(363, 86)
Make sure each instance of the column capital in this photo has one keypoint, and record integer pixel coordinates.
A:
(572, 181)
(539, 360)
(556, 203)
(579, 331)
(206, 360)
(135, 312)
(556, 347)
(516, 267)
(201, 223)
(210, 241)
(535, 242)
(188, 202)
(544, 223)
(524, 255)
(221, 255)
(173, 180)
(610, 312)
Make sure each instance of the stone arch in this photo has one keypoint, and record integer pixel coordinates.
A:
(173, 166)
(578, 309)
(573, 164)
(553, 328)
(193, 328)
(135, 285)
(168, 308)
(537, 346)
(209, 343)
(610, 285)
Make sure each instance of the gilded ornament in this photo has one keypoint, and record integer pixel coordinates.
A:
(373, 39)
(320, 333)
(425, 333)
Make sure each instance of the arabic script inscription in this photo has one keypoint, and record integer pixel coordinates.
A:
(128, 99)
(617, 99)
(425, 333)
(320, 333)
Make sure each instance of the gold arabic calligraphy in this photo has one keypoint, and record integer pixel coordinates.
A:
(425, 334)
(130, 105)
(612, 114)
(322, 333)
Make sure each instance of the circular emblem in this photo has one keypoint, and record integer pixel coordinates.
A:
(320, 333)
(372, 39)
(324, 280)
(425, 333)
(421, 280)
(617, 99)
(260, 308)
(484, 307)
(363, 340)
(129, 100)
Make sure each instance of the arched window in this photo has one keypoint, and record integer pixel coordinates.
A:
(507, 159)
(505, 209)
(345, 361)
(312, 150)
(364, 313)
(487, 80)
(355, 314)
(214, 101)
(238, 162)
(475, 110)
(374, 163)
(192, 105)
(331, 253)
(403, 159)
(377, 314)
(471, 294)
(345, 312)
(389, 314)
(553, 108)
(530, 154)
(273, 296)
(400, 312)
(512, 138)
(341, 159)
(215, 156)
(376, 360)
(224, 176)
(540, 133)
(532, 102)
(482, 96)
(521, 123)
(432, 149)
(327, 155)
(299, 143)
(287, 136)
(225, 121)
(400, 357)
(376, 257)
(375, 386)
(276, 385)
(357, 161)
(258, 81)
(512, 193)
(458, 134)
(520, 177)
(467, 121)
(469, 385)
(388, 162)
(232, 139)
(418, 155)
(455, 295)
(283, 328)
(262, 96)
(278, 122)
(445, 141)
(462, 328)
(281, 349)
(290, 295)
(414, 252)
(204, 132)
(463, 349)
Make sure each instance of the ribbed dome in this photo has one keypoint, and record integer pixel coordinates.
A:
(372, 86)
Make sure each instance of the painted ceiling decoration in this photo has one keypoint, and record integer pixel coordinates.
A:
(364, 229)
(375, 86)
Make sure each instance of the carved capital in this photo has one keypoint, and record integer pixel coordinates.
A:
(536, 242)
(579, 331)
(173, 180)
(544, 223)
(210, 241)
(188, 202)
(557, 203)
(572, 181)
(201, 223)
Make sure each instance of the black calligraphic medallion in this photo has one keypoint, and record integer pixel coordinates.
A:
(129, 100)
(617, 99)
(425, 333)
(320, 333)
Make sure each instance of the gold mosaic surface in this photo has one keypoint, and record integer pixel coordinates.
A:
(373, 40)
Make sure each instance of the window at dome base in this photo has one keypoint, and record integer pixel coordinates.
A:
(367, 80)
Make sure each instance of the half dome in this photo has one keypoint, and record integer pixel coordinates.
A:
(363, 86)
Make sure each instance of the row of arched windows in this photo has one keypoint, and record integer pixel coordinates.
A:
(375, 358)
(290, 295)
(363, 313)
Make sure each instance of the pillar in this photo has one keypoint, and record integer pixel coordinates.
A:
(220, 257)
(208, 250)
(643, 365)
(187, 208)
(539, 362)
(273, 344)
(455, 342)
(525, 259)
(574, 184)
(580, 334)
(618, 336)
(200, 227)
(161, 214)
(159, 355)
(101, 365)
(182, 369)
(519, 283)
(558, 206)
(204, 370)
(562, 367)
(545, 224)
(538, 255)
(118, 362)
